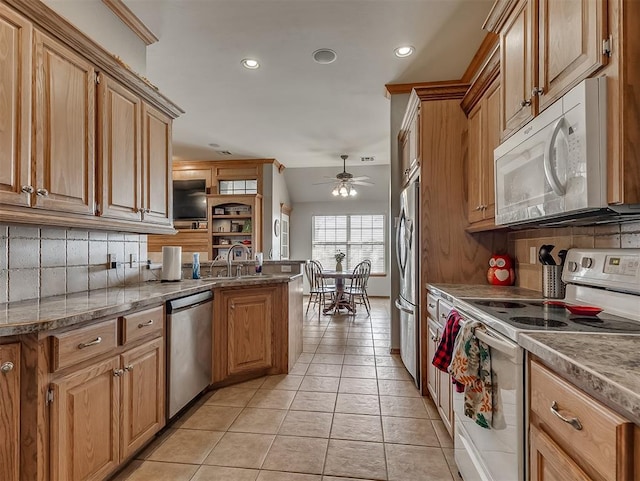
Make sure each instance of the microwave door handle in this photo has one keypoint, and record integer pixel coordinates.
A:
(550, 160)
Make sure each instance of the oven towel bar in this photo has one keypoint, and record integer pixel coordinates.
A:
(471, 366)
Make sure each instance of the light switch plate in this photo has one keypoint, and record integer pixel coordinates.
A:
(533, 255)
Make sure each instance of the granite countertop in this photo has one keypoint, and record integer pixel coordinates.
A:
(607, 366)
(486, 291)
(66, 310)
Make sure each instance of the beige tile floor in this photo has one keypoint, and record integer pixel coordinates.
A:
(348, 410)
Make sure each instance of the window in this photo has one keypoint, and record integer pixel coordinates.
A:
(358, 236)
(235, 187)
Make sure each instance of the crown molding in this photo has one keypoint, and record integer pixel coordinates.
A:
(131, 20)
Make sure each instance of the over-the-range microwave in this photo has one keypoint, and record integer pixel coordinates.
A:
(553, 171)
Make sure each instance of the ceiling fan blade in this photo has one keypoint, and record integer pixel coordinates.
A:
(362, 177)
(362, 182)
(327, 182)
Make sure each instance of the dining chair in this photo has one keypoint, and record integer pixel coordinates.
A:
(357, 290)
(318, 290)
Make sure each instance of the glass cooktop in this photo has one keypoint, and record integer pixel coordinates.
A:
(552, 316)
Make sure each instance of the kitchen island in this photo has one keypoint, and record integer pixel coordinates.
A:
(83, 375)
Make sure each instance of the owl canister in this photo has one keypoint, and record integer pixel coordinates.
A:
(501, 271)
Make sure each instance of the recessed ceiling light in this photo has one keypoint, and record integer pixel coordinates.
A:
(250, 63)
(214, 145)
(404, 51)
(223, 152)
(324, 55)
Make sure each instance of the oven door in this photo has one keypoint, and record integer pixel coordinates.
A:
(495, 454)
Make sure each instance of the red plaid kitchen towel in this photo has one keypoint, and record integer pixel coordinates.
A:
(444, 352)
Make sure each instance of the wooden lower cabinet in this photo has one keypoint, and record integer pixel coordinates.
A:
(143, 393)
(549, 462)
(432, 372)
(103, 413)
(438, 382)
(10, 412)
(85, 423)
(249, 326)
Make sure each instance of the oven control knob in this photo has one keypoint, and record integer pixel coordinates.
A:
(587, 262)
(573, 266)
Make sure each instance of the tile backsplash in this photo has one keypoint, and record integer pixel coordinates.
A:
(625, 235)
(39, 262)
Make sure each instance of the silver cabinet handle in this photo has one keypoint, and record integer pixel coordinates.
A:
(42, 192)
(118, 372)
(443, 315)
(432, 306)
(6, 367)
(537, 91)
(27, 189)
(525, 103)
(96, 341)
(575, 422)
(128, 368)
(146, 211)
(233, 306)
(145, 324)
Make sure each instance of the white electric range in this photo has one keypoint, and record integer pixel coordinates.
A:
(605, 278)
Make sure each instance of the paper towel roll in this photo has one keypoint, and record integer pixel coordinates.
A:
(171, 263)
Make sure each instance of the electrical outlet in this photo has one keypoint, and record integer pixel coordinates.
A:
(112, 261)
(533, 255)
(285, 268)
(133, 259)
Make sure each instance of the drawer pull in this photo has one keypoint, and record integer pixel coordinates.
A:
(145, 324)
(6, 367)
(575, 422)
(95, 342)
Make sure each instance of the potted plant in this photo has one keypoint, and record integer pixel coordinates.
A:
(339, 258)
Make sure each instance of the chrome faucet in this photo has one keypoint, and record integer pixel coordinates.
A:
(230, 257)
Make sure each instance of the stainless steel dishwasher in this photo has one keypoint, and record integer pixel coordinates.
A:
(189, 321)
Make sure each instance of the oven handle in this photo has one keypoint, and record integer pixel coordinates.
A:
(491, 340)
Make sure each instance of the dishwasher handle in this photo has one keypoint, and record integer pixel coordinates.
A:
(176, 305)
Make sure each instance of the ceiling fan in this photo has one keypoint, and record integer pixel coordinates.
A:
(345, 181)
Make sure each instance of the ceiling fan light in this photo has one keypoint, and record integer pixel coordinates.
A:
(343, 190)
(353, 192)
(335, 191)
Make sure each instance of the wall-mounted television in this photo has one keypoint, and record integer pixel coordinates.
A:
(190, 199)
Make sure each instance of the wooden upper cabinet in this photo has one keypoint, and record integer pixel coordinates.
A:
(85, 420)
(475, 161)
(15, 107)
(64, 115)
(492, 140)
(570, 44)
(409, 146)
(120, 152)
(143, 394)
(156, 172)
(10, 412)
(516, 67)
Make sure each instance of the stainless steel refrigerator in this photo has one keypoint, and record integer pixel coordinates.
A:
(408, 256)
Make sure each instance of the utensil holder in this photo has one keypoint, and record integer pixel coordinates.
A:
(552, 285)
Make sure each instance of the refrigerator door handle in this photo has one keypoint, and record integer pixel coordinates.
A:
(402, 308)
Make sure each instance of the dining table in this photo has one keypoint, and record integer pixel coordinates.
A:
(340, 300)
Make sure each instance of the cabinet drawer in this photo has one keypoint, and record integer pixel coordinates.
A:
(444, 308)
(85, 343)
(601, 441)
(142, 324)
(432, 306)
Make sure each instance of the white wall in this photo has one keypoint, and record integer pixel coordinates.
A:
(97, 21)
(301, 230)
(274, 192)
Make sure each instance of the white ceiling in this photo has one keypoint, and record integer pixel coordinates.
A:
(302, 113)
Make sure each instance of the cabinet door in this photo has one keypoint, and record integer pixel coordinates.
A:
(10, 412)
(445, 395)
(64, 114)
(432, 371)
(475, 163)
(85, 419)
(492, 140)
(15, 107)
(516, 64)
(120, 165)
(249, 330)
(570, 44)
(548, 462)
(405, 155)
(143, 394)
(156, 167)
